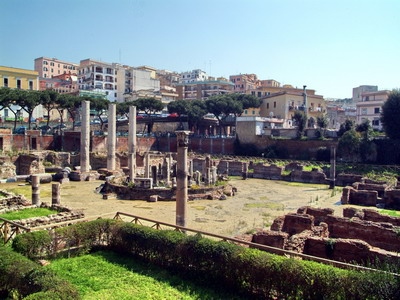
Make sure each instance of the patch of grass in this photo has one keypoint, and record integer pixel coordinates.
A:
(106, 275)
(26, 190)
(199, 207)
(270, 205)
(264, 198)
(28, 213)
(392, 213)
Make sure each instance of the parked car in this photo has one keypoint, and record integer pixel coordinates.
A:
(20, 130)
(45, 129)
(61, 126)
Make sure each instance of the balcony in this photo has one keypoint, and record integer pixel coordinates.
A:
(99, 70)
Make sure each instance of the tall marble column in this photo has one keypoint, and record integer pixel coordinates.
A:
(85, 137)
(132, 143)
(182, 177)
(111, 136)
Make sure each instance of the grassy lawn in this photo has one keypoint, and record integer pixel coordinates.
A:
(28, 213)
(106, 275)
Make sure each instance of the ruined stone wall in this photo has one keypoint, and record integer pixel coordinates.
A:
(352, 196)
(235, 168)
(347, 179)
(272, 172)
(308, 177)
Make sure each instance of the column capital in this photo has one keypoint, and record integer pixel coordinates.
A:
(182, 137)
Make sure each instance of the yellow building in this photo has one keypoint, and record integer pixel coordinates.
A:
(16, 78)
(282, 105)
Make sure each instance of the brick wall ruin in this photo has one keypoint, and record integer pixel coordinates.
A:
(360, 235)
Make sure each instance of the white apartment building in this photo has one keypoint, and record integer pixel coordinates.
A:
(99, 77)
(50, 67)
(135, 83)
(192, 76)
(370, 108)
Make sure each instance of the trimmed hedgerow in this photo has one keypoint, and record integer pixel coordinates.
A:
(20, 277)
(250, 272)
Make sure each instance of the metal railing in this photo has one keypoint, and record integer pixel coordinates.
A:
(161, 225)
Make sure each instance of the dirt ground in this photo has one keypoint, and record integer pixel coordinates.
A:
(257, 203)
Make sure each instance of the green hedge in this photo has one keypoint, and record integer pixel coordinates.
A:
(250, 272)
(21, 277)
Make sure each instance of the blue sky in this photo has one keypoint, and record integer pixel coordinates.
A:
(330, 46)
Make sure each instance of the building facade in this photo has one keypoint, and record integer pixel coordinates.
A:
(98, 76)
(63, 84)
(21, 79)
(283, 105)
(50, 67)
(244, 83)
(370, 108)
(193, 76)
(358, 91)
(201, 90)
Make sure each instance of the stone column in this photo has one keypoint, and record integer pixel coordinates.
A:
(132, 143)
(85, 137)
(332, 171)
(166, 171)
(55, 194)
(181, 177)
(111, 136)
(154, 175)
(36, 189)
(147, 166)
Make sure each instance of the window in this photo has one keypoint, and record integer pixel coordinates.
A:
(375, 122)
(274, 104)
(245, 111)
(254, 112)
(115, 95)
(364, 111)
(52, 64)
(18, 83)
(30, 84)
(258, 94)
(377, 110)
(267, 105)
(5, 83)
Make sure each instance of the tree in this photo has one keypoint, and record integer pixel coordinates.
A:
(100, 106)
(222, 106)
(248, 101)
(300, 120)
(390, 115)
(346, 126)
(149, 106)
(123, 108)
(322, 123)
(197, 110)
(28, 102)
(180, 107)
(349, 145)
(48, 99)
(11, 99)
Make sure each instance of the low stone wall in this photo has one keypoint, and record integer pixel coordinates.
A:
(51, 219)
(352, 196)
(272, 172)
(347, 179)
(308, 177)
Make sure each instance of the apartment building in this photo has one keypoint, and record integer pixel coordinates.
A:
(244, 83)
(50, 67)
(21, 79)
(358, 91)
(63, 84)
(370, 107)
(137, 83)
(99, 77)
(283, 105)
(204, 89)
(193, 76)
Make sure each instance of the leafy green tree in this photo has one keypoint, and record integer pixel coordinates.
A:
(322, 123)
(100, 106)
(28, 102)
(180, 107)
(72, 104)
(346, 126)
(390, 115)
(248, 101)
(300, 120)
(222, 106)
(368, 150)
(149, 106)
(11, 98)
(349, 145)
(123, 108)
(48, 99)
(197, 110)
